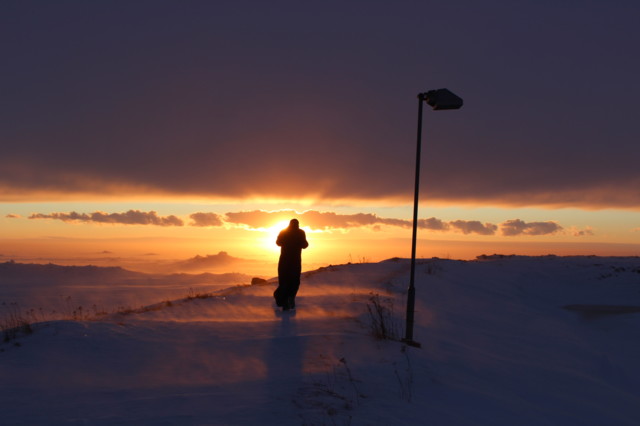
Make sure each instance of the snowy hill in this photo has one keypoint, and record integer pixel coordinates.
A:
(505, 340)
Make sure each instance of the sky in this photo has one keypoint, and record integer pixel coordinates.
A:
(144, 132)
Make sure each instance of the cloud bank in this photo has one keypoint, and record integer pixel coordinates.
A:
(131, 217)
(518, 227)
(316, 220)
(205, 219)
(312, 219)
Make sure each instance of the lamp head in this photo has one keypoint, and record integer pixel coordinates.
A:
(441, 99)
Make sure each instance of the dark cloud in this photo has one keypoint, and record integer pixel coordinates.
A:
(326, 220)
(473, 227)
(205, 219)
(13, 216)
(518, 227)
(247, 99)
(433, 224)
(131, 217)
(464, 226)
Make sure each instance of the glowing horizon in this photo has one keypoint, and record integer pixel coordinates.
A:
(48, 232)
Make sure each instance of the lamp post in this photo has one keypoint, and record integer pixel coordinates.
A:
(440, 99)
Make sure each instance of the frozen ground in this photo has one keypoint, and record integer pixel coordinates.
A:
(499, 347)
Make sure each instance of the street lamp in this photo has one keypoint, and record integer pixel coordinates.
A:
(440, 99)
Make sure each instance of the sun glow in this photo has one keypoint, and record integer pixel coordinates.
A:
(271, 235)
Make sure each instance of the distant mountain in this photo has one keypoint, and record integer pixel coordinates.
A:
(209, 262)
(27, 274)
(34, 273)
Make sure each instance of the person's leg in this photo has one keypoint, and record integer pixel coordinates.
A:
(285, 288)
(278, 295)
(295, 283)
(281, 294)
(292, 292)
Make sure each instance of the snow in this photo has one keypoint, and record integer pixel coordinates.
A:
(499, 347)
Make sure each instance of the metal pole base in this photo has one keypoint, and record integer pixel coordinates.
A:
(412, 343)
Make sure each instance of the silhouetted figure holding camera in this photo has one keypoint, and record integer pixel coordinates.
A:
(291, 241)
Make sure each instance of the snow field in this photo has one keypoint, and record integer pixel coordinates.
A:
(498, 348)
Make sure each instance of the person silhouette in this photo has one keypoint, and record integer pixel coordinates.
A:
(291, 241)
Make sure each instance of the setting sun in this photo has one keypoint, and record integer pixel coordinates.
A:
(271, 234)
